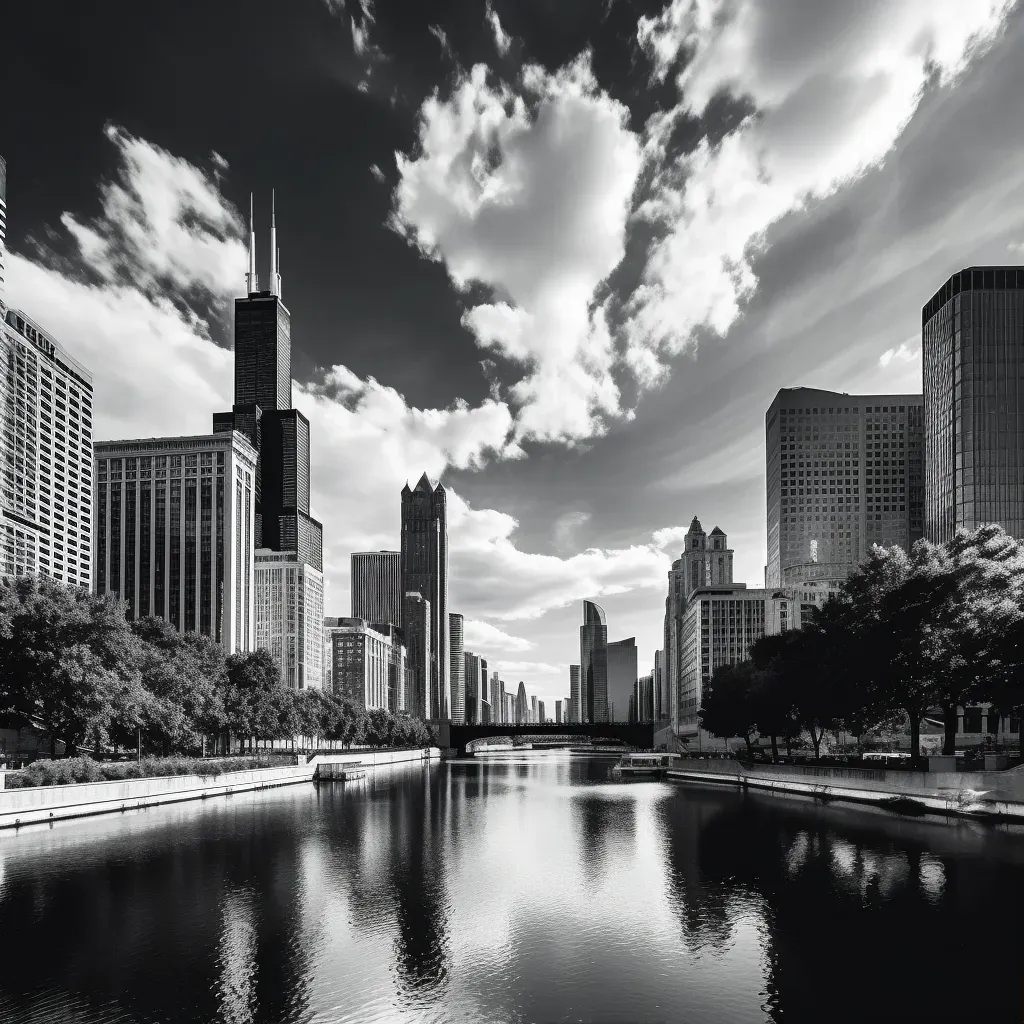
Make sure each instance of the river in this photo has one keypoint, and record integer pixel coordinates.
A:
(523, 887)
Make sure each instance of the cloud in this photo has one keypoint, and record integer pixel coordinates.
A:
(831, 87)
(904, 354)
(378, 174)
(442, 37)
(566, 526)
(502, 40)
(1017, 247)
(482, 637)
(526, 670)
(531, 203)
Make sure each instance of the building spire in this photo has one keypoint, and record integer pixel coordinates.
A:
(251, 281)
(275, 253)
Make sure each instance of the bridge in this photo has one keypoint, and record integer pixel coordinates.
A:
(633, 734)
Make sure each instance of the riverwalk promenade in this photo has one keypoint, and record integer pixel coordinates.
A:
(41, 804)
(983, 794)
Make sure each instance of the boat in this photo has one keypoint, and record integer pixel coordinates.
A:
(347, 772)
(651, 765)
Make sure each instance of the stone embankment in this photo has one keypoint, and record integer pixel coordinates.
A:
(991, 794)
(20, 807)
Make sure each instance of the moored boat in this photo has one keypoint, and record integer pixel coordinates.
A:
(651, 765)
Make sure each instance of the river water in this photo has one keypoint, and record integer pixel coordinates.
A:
(521, 887)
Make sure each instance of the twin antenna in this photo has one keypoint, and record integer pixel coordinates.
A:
(251, 278)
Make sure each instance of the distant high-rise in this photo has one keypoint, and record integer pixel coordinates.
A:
(46, 487)
(541, 712)
(658, 687)
(522, 705)
(425, 570)
(289, 616)
(972, 341)
(533, 709)
(174, 532)
(558, 712)
(843, 472)
(496, 694)
(416, 630)
(575, 696)
(622, 674)
(473, 696)
(456, 667)
(376, 584)
(3, 233)
(594, 663)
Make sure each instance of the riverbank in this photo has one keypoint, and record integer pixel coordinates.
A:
(997, 795)
(19, 807)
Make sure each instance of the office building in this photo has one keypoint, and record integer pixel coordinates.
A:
(289, 616)
(522, 705)
(541, 713)
(377, 586)
(417, 634)
(575, 705)
(3, 235)
(425, 570)
(533, 710)
(175, 518)
(497, 697)
(622, 673)
(972, 349)
(368, 663)
(594, 664)
(719, 626)
(558, 712)
(658, 683)
(46, 455)
(843, 472)
(642, 701)
(457, 667)
(474, 697)
(510, 708)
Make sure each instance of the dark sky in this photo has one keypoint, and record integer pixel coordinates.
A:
(787, 228)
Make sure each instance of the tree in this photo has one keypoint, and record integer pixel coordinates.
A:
(254, 696)
(727, 709)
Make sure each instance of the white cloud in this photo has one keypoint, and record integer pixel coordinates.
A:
(513, 671)
(833, 86)
(502, 40)
(1017, 247)
(534, 206)
(567, 525)
(903, 354)
(442, 37)
(482, 637)
(378, 174)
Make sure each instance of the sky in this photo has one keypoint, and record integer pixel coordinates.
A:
(558, 254)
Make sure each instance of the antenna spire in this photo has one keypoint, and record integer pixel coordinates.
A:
(275, 253)
(251, 281)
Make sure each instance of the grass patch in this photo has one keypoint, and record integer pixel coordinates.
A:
(69, 770)
(904, 805)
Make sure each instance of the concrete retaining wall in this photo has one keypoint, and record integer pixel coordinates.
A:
(977, 794)
(53, 803)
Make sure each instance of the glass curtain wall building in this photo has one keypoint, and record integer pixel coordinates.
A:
(457, 667)
(46, 456)
(972, 335)
(376, 583)
(594, 663)
(289, 616)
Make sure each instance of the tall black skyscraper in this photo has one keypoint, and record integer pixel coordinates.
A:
(425, 571)
(262, 411)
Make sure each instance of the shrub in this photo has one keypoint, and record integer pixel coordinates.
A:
(84, 769)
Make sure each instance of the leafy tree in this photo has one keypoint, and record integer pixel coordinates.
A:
(727, 709)
(252, 696)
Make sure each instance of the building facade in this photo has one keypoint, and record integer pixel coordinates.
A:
(289, 616)
(457, 667)
(376, 583)
(972, 349)
(3, 235)
(368, 663)
(558, 712)
(719, 626)
(642, 703)
(533, 710)
(175, 519)
(575, 698)
(843, 472)
(425, 571)
(522, 705)
(46, 454)
(622, 674)
(594, 664)
(541, 712)
(417, 633)
(658, 682)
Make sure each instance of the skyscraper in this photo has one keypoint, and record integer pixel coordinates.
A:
(558, 712)
(575, 697)
(280, 434)
(533, 709)
(3, 234)
(471, 677)
(368, 663)
(594, 663)
(175, 518)
(622, 675)
(289, 616)
(425, 570)
(416, 630)
(541, 713)
(522, 705)
(376, 583)
(456, 667)
(658, 697)
(46, 489)
(972, 338)
(843, 472)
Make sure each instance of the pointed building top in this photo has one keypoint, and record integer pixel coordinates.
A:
(424, 484)
(695, 526)
(275, 268)
(406, 490)
(251, 281)
(717, 532)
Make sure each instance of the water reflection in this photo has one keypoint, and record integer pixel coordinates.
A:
(516, 888)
